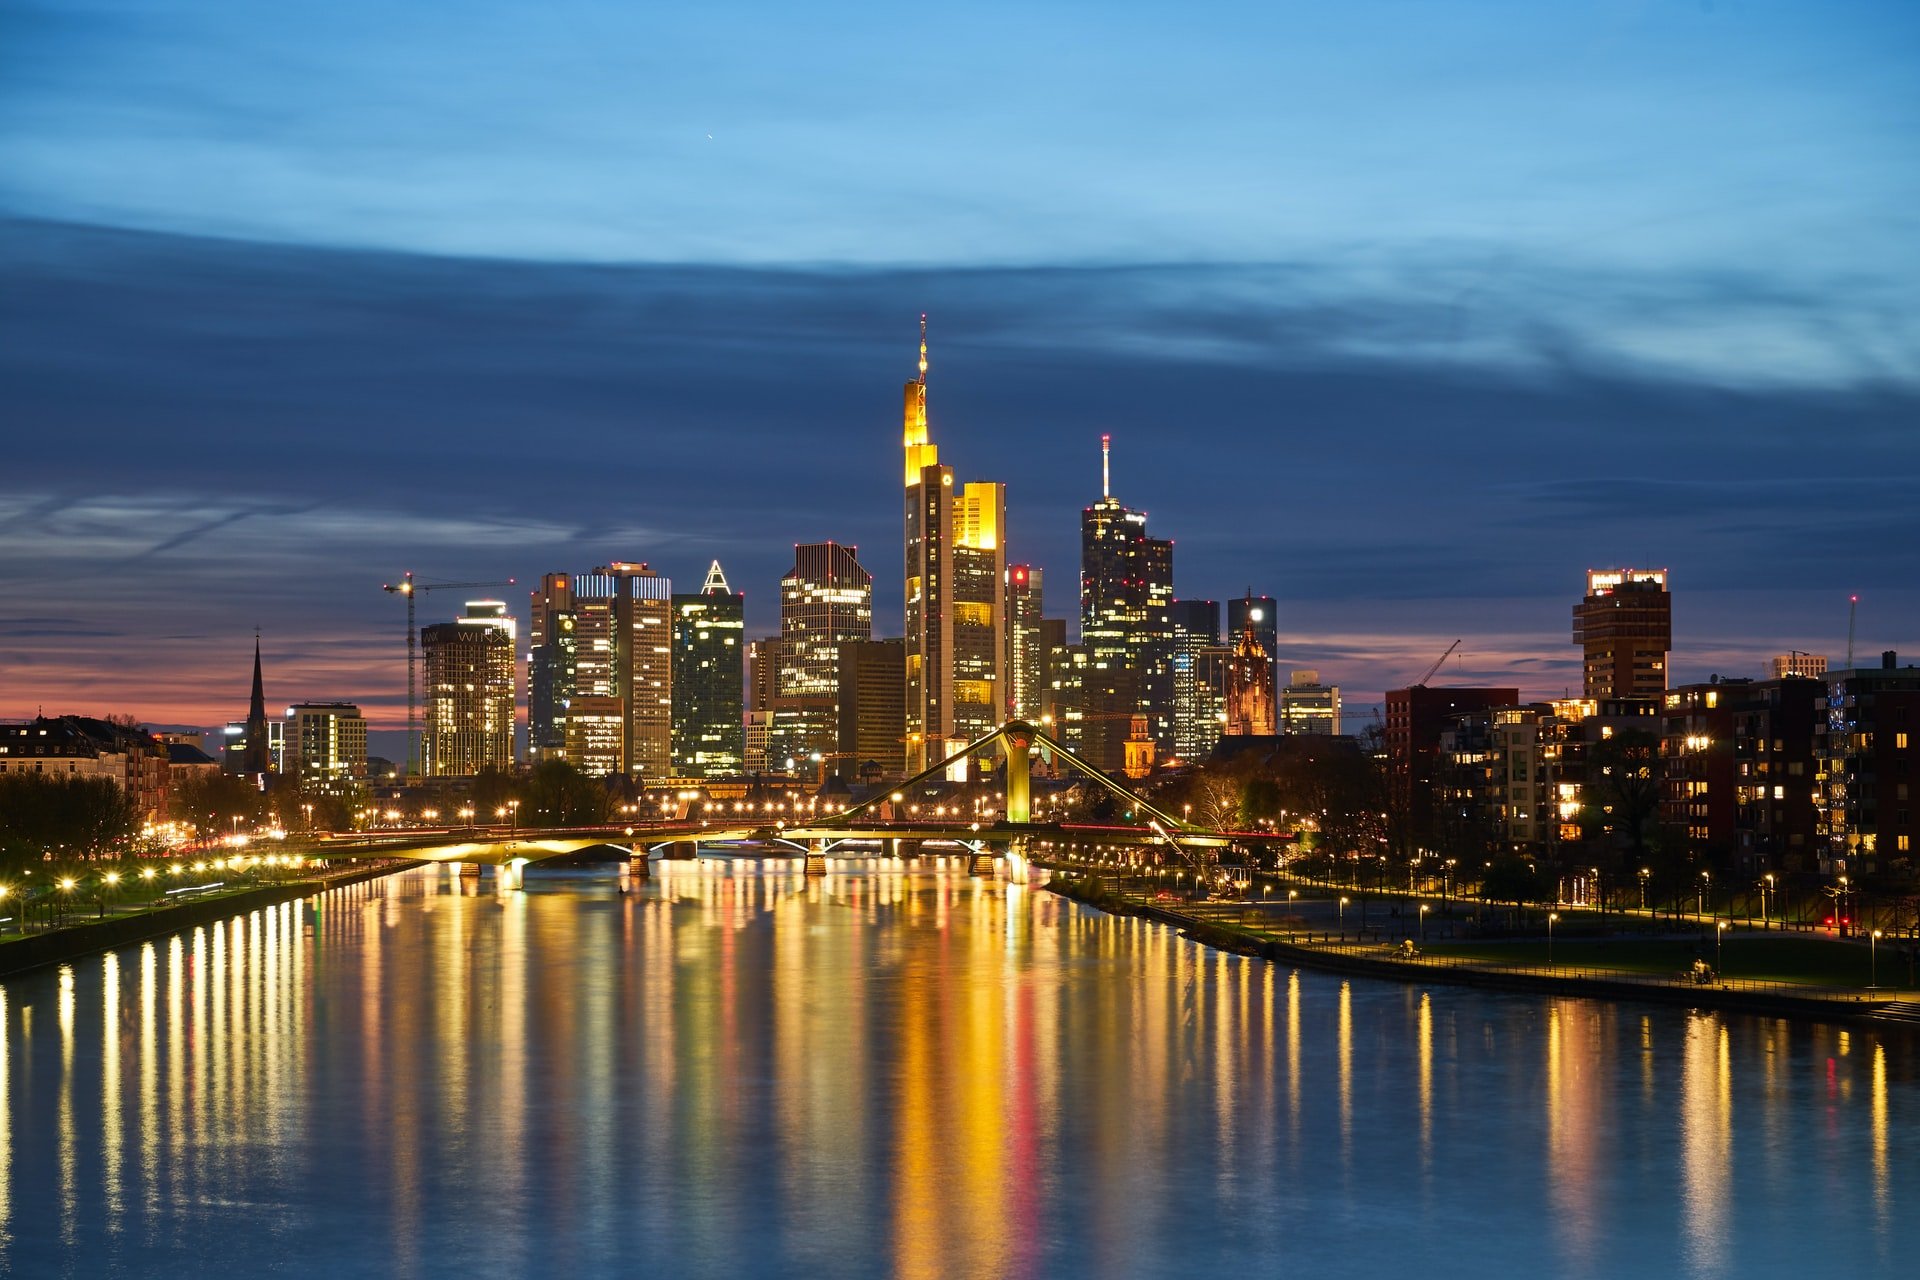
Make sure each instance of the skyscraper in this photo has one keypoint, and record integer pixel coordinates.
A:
(826, 601)
(955, 602)
(1624, 628)
(709, 674)
(1026, 664)
(1199, 699)
(1126, 622)
(470, 691)
(872, 709)
(606, 634)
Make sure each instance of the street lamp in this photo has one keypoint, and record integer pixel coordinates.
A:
(1706, 883)
(1873, 960)
(1424, 908)
(1644, 873)
(1766, 892)
(1719, 936)
(1551, 917)
(1343, 913)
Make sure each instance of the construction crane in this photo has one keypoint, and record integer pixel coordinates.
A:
(409, 588)
(1437, 665)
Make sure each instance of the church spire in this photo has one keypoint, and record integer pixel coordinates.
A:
(257, 759)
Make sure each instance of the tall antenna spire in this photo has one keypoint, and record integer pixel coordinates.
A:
(923, 348)
(1106, 467)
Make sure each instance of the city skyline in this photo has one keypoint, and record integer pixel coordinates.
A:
(1470, 335)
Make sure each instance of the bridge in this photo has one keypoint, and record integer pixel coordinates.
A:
(874, 820)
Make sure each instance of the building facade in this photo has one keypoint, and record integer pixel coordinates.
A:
(956, 641)
(1869, 751)
(605, 634)
(1307, 706)
(1126, 621)
(872, 709)
(471, 688)
(1199, 692)
(1026, 663)
(709, 680)
(1624, 627)
(86, 747)
(326, 747)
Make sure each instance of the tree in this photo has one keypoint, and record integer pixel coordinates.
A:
(42, 816)
(211, 801)
(1513, 880)
(559, 795)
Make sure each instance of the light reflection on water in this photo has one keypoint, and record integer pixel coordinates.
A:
(740, 1069)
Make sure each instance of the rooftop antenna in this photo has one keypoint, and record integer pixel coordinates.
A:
(1106, 466)
(923, 348)
(1853, 607)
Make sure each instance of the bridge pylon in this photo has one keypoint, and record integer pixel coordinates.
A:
(816, 858)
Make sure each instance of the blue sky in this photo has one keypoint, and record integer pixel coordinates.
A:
(1403, 312)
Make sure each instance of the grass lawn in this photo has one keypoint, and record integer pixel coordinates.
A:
(1816, 961)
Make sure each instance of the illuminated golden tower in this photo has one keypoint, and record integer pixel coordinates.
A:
(955, 596)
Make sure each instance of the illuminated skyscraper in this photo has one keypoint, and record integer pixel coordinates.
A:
(605, 634)
(1126, 622)
(470, 691)
(826, 601)
(1026, 664)
(955, 594)
(709, 674)
(1199, 666)
(1624, 628)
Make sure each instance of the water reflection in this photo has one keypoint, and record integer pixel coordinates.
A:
(891, 1071)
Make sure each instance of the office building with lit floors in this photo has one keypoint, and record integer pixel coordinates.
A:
(956, 635)
(1307, 706)
(605, 634)
(1624, 627)
(709, 680)
(1869, 749)
(1126, 621)
(1026, 664)
(470, 702)
(1199, 666)
(826, 601)
(326, 746)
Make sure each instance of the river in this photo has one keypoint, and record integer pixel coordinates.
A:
(741, 1070)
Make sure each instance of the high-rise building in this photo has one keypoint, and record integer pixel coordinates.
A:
(1126, 621)
(470, 691)
(955, 594)
(826, 600)
(1026, 663)
(709, 672)
(1797, 663)
(764, 657)
(606, 634)
(872, 710)
(326, 746)
(1199, 700)
(1624, 628)
(1307, 706)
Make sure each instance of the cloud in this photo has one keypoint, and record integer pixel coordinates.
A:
(218, 434)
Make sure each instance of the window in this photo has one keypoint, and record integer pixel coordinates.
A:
(1900, 741)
